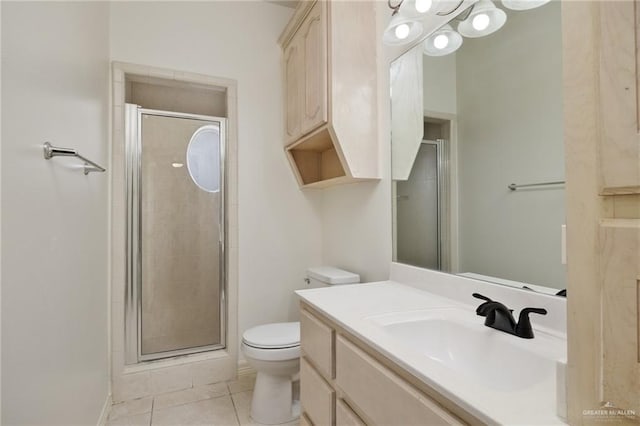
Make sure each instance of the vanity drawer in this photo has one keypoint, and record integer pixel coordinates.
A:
(383, 396)
(316, 396)
(317, 343)
(345, 416)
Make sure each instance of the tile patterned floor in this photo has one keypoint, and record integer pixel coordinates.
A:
(220, 404)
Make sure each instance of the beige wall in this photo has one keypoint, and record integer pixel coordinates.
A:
(55, 68)
(279, 226)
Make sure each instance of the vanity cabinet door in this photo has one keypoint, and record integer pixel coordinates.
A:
(316, 396)
(313, 35)
(316, 342)
(345, 416)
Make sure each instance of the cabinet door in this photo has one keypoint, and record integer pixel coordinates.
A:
(619, 97)
(293, 86)
(316, 396)
(313, 37)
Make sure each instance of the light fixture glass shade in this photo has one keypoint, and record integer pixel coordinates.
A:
(416, 8)
(401, 30)
(442, 42)
(484, 19)
(523, 4)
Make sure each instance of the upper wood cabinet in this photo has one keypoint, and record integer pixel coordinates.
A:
(619, 98)
(330, 92)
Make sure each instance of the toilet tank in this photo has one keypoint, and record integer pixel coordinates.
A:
(324, 276)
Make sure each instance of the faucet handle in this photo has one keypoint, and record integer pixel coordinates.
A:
(481, 310)
(481, 297)
(523, 328)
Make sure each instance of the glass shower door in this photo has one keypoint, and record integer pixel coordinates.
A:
(178, 265)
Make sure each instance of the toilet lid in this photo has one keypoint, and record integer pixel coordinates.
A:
(272, 336)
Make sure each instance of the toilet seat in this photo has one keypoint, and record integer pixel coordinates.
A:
(283, 354)
(272, 342)
(273, 336)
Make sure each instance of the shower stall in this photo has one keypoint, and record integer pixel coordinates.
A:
(176, 233)
(422, 209)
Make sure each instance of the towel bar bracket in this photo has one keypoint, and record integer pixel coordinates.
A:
(51, 151)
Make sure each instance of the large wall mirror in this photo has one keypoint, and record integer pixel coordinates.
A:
(477, 148)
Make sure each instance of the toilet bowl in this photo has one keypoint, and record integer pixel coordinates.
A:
(273, 350)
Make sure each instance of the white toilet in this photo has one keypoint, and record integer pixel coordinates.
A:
(273, 350)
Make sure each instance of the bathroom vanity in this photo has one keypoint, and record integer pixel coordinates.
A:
(412, 351)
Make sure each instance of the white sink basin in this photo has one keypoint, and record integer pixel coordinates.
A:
(457, 339)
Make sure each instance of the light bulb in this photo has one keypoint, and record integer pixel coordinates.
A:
(480, 22)
(402, 31)
(441, 41)
(423, 6)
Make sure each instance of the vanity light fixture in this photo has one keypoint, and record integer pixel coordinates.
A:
(523, 4)
(484, 19)
(442, 42)
(401, 30)
(415, 8)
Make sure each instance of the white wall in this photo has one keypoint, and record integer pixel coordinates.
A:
(279, 225)
(510, 130)
(54, 219)
(439, 85)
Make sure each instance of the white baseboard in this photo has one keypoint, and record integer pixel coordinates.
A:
(106, 409)
(244, 369)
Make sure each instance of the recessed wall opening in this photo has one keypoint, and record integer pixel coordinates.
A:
(175, 145)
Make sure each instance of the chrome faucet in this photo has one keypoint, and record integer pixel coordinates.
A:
(499, 317)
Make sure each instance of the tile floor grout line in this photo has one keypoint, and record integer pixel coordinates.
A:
(194, 401)
(235, 410)
(153, 400)
(229, 394)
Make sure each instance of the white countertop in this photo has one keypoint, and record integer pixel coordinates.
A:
(352, 306)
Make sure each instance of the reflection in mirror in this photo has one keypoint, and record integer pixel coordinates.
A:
(465, 126)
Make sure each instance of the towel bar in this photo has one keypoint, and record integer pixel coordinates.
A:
(51, 151)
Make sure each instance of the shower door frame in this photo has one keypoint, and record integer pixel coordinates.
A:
(443, 200)
(133, 249)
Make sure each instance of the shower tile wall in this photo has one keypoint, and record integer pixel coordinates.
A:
(180, 234)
